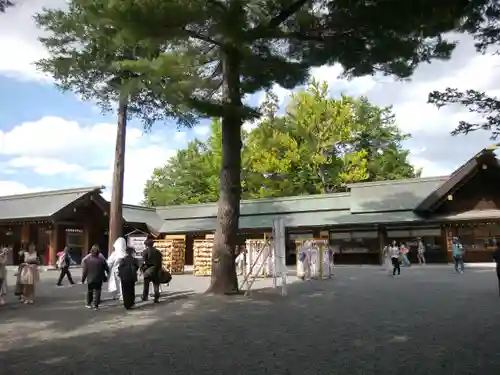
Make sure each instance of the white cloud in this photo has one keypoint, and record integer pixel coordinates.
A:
(201, 130)
(18, 39)
(55, 136)
(14, 187)
(53, 146)
(180, 136)
(44, 166)
(139, 165)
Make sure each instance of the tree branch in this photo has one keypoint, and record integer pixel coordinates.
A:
(285, 13)
(202, 37)
(218, 4)
(277, 20)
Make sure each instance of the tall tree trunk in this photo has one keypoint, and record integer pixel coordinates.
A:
(116, 212)
(224, 279)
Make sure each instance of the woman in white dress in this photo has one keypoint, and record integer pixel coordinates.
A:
(3, 274)
(387, 259)
(114, 284)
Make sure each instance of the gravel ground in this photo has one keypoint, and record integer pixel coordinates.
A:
(428, 321)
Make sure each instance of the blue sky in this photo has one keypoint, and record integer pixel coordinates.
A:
(51, 140)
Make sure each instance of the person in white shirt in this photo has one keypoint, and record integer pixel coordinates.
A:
(395, 253)
(420, 251)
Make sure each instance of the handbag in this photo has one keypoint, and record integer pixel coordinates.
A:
(149, 272)
(165, 276)
(25, 276)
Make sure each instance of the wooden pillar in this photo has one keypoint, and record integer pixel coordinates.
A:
(54, 244)
(447, 234)
(25, 234)
(382, 238)
(87, 237)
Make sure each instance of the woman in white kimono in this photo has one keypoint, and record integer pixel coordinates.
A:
(114, 284)
(387, 259)
(304, 261)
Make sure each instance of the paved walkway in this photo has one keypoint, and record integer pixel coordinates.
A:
(428, 321)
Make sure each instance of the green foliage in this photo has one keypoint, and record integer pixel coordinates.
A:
(4, 4)
(483, 23)
(270, 41)
(84, 53)
(191, 176)
(318, 146)
(322, 144)
(188, 177)
(205, 56)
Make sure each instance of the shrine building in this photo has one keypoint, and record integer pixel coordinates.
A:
(358, 223)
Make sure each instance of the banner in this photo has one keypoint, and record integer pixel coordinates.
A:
(137, 243)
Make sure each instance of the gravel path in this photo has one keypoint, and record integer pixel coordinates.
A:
(428, 321)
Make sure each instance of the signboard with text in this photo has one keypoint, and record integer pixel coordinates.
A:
(137, 243)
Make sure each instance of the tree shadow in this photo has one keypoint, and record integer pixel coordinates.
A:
(269, 334)
(68, 313)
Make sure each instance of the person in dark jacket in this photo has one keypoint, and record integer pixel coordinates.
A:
(151, 269)
(64, 263)
(127, 272)
(496, 258)
(95, 271)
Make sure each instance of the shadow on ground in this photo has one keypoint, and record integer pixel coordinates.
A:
(354, 324)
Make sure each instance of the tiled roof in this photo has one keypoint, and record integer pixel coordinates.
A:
(397, 195)
(300, 219)
(381, 202)
(140, 214)
(365, 203)
(305, 203)
(40, 205)
(486, 156)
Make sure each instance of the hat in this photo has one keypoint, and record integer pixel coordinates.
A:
(149, 240)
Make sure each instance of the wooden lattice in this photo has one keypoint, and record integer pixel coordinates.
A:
(202, 257)
(173, 251)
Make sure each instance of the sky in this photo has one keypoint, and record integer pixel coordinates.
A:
(53, 140)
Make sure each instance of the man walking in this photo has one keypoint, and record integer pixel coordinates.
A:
(395, 254)
(151, 269)
(95, 271)
(458, 255)
(64, 263)
(127, 271)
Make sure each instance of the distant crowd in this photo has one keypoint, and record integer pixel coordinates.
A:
(120, 270)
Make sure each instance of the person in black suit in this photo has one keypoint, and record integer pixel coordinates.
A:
(127, 272)
(496, 258)
(96, 272)
(151, 269)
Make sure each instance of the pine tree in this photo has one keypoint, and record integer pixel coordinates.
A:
(84, 57)
(228, 49)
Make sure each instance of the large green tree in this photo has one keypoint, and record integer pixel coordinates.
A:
(232, 48)
(484, 25)
(190, 176)
(322, 144)
(83, 57)
(319, 145)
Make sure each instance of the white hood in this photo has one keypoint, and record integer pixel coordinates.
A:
(120, 246)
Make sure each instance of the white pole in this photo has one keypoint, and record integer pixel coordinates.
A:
(280, 253)
(272, 247)
(275, 273)
(282, 248)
